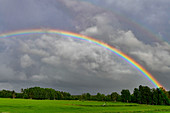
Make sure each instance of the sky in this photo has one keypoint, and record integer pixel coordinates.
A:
(138, 28)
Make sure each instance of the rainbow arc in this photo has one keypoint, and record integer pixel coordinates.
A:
(119, 53)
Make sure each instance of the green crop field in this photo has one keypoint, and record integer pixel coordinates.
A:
(75, 106)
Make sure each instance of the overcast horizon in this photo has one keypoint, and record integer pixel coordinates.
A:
(138, 28)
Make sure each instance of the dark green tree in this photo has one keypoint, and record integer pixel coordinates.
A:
(13, 94)
(145, 95)
(163, 96)
(88, 96)
(99, 97)
(154, 96)
(136, 95)
(108, 98)
(102, 97)
(125, 95)
(114, 96)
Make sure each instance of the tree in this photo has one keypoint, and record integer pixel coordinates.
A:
(99, 98)
(163, 96)
(102, 97)
(83, 96)
(6, 94)
(136, 95)
(142, 95)
(13, 94)
(88, 96)
(22, 90)
(108, 98)
(125, 95)
(114, 96)
(145, 95)
(154, 96)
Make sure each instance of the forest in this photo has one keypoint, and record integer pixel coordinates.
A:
(141, 95)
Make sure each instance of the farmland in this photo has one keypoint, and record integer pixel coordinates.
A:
(74, 106)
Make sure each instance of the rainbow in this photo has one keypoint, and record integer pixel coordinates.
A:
(119, 53)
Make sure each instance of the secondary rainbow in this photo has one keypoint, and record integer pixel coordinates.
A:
(119, 53)
(144, 30)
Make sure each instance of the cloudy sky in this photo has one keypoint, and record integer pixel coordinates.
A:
(139, 28)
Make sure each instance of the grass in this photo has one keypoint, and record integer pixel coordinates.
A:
(74, 106)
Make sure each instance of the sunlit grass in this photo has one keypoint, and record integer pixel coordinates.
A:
(75, 106)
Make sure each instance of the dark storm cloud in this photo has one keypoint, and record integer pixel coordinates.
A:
(72, 65)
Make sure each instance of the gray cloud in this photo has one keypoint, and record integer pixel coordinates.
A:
(155, 58)
(74, 65)
(26, 61)
(151, 15)
(33, 14)
(68, 62)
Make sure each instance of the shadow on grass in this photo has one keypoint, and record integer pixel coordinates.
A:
(107, 105)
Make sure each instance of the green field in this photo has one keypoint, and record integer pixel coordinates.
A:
(66, 106)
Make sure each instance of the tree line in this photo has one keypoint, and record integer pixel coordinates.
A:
(141, 95)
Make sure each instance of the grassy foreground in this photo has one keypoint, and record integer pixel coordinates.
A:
(73, 106)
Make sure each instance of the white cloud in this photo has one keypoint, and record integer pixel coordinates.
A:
(91, 30)
(35, 51)
(68, 62)
(155, 57)
(26, 61)
(38, 78)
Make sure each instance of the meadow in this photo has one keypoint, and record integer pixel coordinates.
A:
(74, 106)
